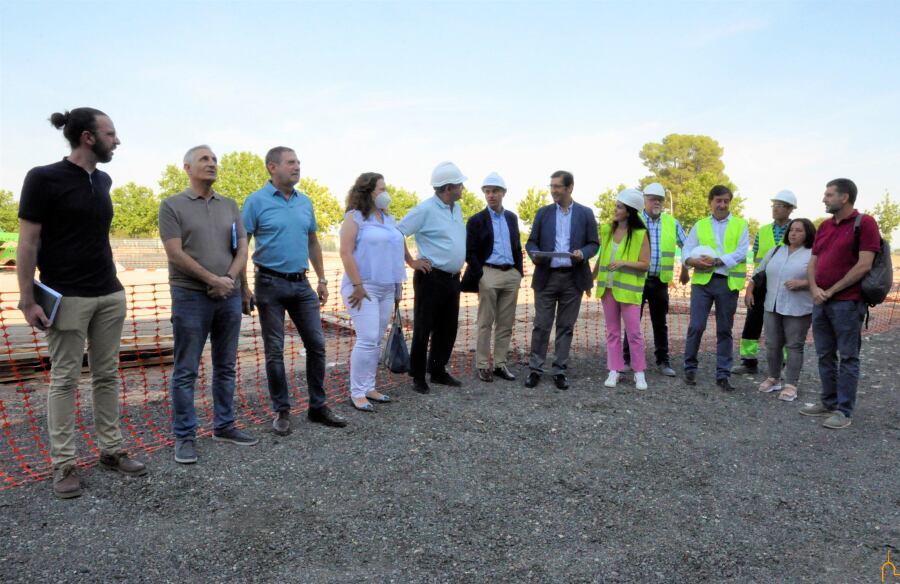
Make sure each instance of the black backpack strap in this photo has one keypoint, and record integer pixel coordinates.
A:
(856, 230)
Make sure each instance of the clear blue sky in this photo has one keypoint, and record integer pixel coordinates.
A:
(796, 92)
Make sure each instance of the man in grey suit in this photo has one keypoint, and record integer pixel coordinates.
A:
(558, 282)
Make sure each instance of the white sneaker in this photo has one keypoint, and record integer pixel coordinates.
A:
(612, 379)
(640, 381)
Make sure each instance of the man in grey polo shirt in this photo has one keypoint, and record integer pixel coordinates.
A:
(440, 234)
(206, 245)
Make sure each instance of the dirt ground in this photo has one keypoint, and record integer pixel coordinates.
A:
(499, 483)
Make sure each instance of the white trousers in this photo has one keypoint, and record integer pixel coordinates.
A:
(370, 322)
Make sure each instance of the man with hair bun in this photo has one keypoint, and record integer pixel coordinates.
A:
(65, 212)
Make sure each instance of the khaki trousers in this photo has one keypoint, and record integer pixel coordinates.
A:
(498, 292)
(99, 321)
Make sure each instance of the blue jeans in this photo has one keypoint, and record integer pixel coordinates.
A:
(702, 299)
(196, 316)
(274, 296)
(837, 329)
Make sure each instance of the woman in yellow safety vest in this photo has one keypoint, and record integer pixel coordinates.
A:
(621, 271)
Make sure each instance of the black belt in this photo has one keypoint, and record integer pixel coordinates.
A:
(501, 267)
(719, 276)
(438, 272)
(562, 270)
(295, 277)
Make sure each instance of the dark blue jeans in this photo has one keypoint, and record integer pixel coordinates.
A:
(702, 299)
(196, 317)
(274, 296)
(837, 329)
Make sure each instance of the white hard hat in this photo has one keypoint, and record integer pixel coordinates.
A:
(631, 197)
(786, 197)
(655, 190)
(493, 180)
(446, 173)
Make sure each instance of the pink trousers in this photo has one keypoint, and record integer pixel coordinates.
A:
(616, 312)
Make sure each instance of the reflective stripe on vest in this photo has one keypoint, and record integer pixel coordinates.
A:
(766, 238)
(737, 275)
(628, 283)
(668, 240)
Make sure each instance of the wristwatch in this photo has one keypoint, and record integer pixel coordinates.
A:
(323, 281)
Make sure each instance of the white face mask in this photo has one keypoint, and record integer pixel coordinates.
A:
(382, 200)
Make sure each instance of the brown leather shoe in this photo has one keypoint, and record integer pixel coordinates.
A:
(119, 462)
(485, 375)
(66, 484)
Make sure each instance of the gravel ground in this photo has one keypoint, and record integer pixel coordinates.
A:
(498, 483)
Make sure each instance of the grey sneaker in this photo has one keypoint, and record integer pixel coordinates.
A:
(816, 410)
(235, 436)
(836, 421)
(184, 451)
(666, 370)
(281, 425)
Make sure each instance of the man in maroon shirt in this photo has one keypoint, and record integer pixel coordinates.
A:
(835, 271)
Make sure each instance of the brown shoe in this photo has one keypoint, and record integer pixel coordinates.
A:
(485, 375)
(66, 484)
(119, 462)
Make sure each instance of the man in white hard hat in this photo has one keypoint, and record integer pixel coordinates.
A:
(666, 234)
(563, 239)
(494, 271)
(769, 236)
(720, 273)
(437, 225)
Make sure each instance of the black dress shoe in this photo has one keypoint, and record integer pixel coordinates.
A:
(503, 373)
(325, 416)
(724, 384)
(533, 378)
(485, 375)
(560, 380)
(690, 377)
(420, 386)
(445, 379)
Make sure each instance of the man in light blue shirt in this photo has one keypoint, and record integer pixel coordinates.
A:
(284, 224)
(437, 225)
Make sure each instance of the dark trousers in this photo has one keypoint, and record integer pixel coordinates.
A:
(274, 296)
(702, 299)
(435, 319)
(753, 326)
(560, 299)
(837, 328)
(656, 295)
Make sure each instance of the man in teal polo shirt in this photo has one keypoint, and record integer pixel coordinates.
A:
(284, 224)
(437, 224)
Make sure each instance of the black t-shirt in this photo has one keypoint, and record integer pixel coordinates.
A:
(75, 211)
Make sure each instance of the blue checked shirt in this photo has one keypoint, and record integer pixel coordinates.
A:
(653, 228)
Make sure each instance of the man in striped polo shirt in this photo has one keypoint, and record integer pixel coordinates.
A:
(665, 234)
(769, 236)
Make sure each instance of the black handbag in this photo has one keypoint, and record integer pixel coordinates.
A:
(395, 355)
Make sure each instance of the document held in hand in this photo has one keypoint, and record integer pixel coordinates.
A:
(551, 254)
(48, 299)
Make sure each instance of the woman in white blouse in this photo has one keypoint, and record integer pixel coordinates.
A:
(372, 252)
(788, 308)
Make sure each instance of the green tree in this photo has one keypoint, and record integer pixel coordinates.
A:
(401, 201)
(9, 212)
(606, 204)
(241, 173)
(329, 212)
(528, 206)
(819, 220)
(752, 230)
(135, 211)
(173, 181)
(470, 203)
(887, 213)
(687, 166)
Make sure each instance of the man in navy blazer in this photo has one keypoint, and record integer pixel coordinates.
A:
(559, 282)
(494, 257)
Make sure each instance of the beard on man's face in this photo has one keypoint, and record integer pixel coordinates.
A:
(102, 153)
